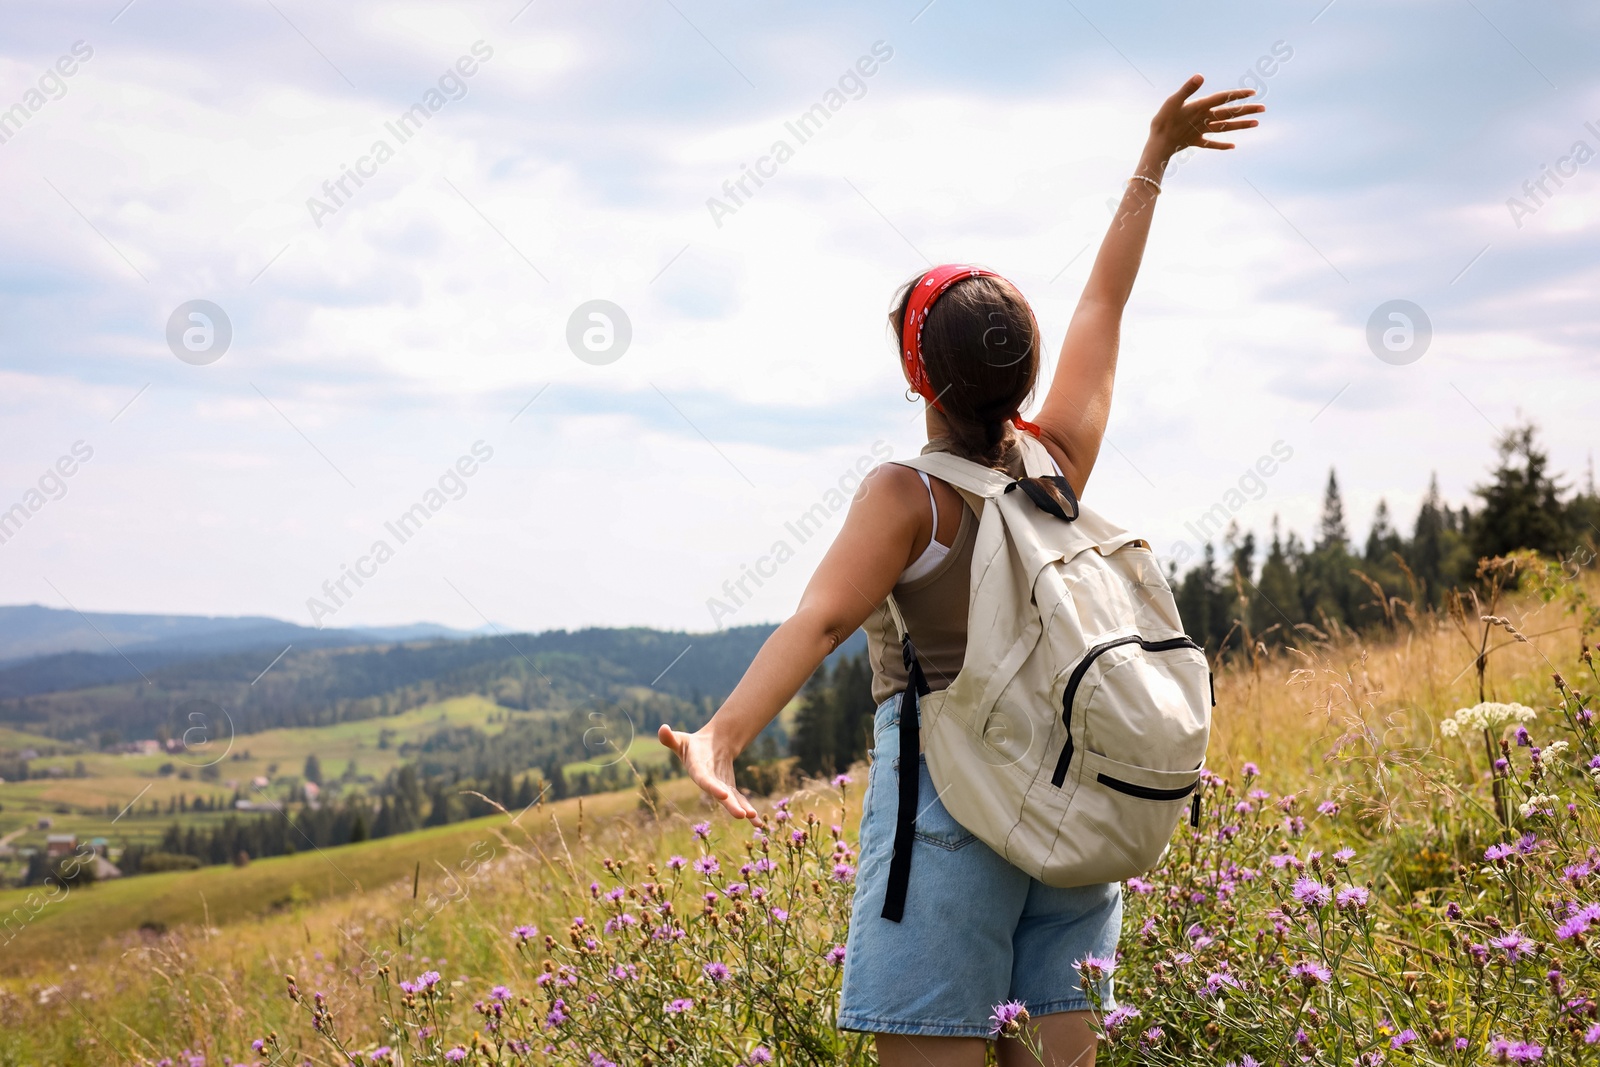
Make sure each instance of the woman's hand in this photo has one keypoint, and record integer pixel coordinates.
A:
(1183, 123)
(710, 765)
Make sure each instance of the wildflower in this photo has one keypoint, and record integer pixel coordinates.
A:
(622, 972)
(1521, 734)
(1294, 826)
(679, 1006)
(835, 955)
(1579, 921)
(1505, 1051)
(1095, 968)
(843, 872)
(841, 780)
(1592, 1035)
(1403, 1038)
(759, 1055)
(1514, 945)
(780, 915)
(1248, 1061)
(557, 1016)
(1008, 1019)
(1311, 973)
(1352, 898)
(381, 1054)
(702, 830)
(1554, 748)
(676, 863)
(1343, 857)
(707, 865)
(1217, 981)
(499, 992)
(1140, 886)
(597, 1060)
(1496, 853)
(1539, 804)
(1327, 807)
(1500, 764)
(258, 1044)
(1152, 1036)
(1312, 893)
(1117, 1016)
(1250, 770)
(717, 972)
(524, 933)
(1486, 716)
(457, 1054)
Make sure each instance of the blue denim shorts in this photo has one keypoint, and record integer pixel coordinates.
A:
(976, 931)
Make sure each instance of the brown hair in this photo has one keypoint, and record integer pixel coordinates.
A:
(980, 345)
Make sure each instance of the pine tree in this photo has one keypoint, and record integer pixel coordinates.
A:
(1331, 531)
(1522, 505)
(1382, 540)
(313, 769)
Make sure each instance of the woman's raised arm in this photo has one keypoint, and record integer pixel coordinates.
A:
(1072, 421)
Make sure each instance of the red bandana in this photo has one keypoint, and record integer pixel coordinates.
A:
(928, 289)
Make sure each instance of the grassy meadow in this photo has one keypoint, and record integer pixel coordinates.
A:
(1440, 950)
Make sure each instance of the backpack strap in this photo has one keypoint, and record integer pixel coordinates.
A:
(905, 822)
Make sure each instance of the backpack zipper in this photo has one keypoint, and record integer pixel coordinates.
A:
(1082, 669)
(1145, 792)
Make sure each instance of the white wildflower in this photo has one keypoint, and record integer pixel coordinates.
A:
(1553, 749)
(1537, 803)
(1489, 715)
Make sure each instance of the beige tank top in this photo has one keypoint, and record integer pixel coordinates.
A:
(935, 609)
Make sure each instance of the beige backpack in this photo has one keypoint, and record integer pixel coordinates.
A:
(1073, 737)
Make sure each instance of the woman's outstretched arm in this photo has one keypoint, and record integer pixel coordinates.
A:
(1072, 421)
(887, 518)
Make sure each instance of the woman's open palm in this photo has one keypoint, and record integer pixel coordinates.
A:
(711, 770)
(1182, 123)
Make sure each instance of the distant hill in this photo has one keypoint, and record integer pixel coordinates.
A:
(167, 666)
(47, 649)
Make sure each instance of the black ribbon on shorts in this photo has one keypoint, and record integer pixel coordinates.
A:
(905, 820)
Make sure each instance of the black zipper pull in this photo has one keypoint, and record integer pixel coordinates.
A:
(1194, 811)
(1212, 678)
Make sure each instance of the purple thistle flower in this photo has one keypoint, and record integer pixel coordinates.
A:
(676, 863)
(1496, 853)
(557, 1016)
(843, 872)
(1312, 893)
(500, 992)
(1095, 968)
(597, 1060)
(1523, 740)
(759, 1055)
(1008, 1018)
(1217, 981)
(841, 780)
(702, 830)
(707, 865)
(679, 1006)
(524, 933)
(717, 972)
(1152, 1036)
(1117, 1017)
(1250, 770)
(1592, 1035)
(1311, 973)
(457, 1054)
(1352, 897)
(1328, 807)
(1403, 1038)
(780, 915)
(1343, 856)
(1514, 945)
(835, 955)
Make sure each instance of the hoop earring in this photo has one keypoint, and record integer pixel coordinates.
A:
(912, 395)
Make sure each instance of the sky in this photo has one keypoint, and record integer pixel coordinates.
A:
(423, 335)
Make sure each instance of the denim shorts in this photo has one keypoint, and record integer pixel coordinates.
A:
(976, 931)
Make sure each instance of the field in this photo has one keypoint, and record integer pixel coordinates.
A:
(1233, 947)
(126, 797)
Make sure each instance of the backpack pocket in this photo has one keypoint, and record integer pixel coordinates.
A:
(1133, 810)
(1140, 703)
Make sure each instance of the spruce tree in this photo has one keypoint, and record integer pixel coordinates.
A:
(1522, 505)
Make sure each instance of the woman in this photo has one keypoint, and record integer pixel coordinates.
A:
(976, 931)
